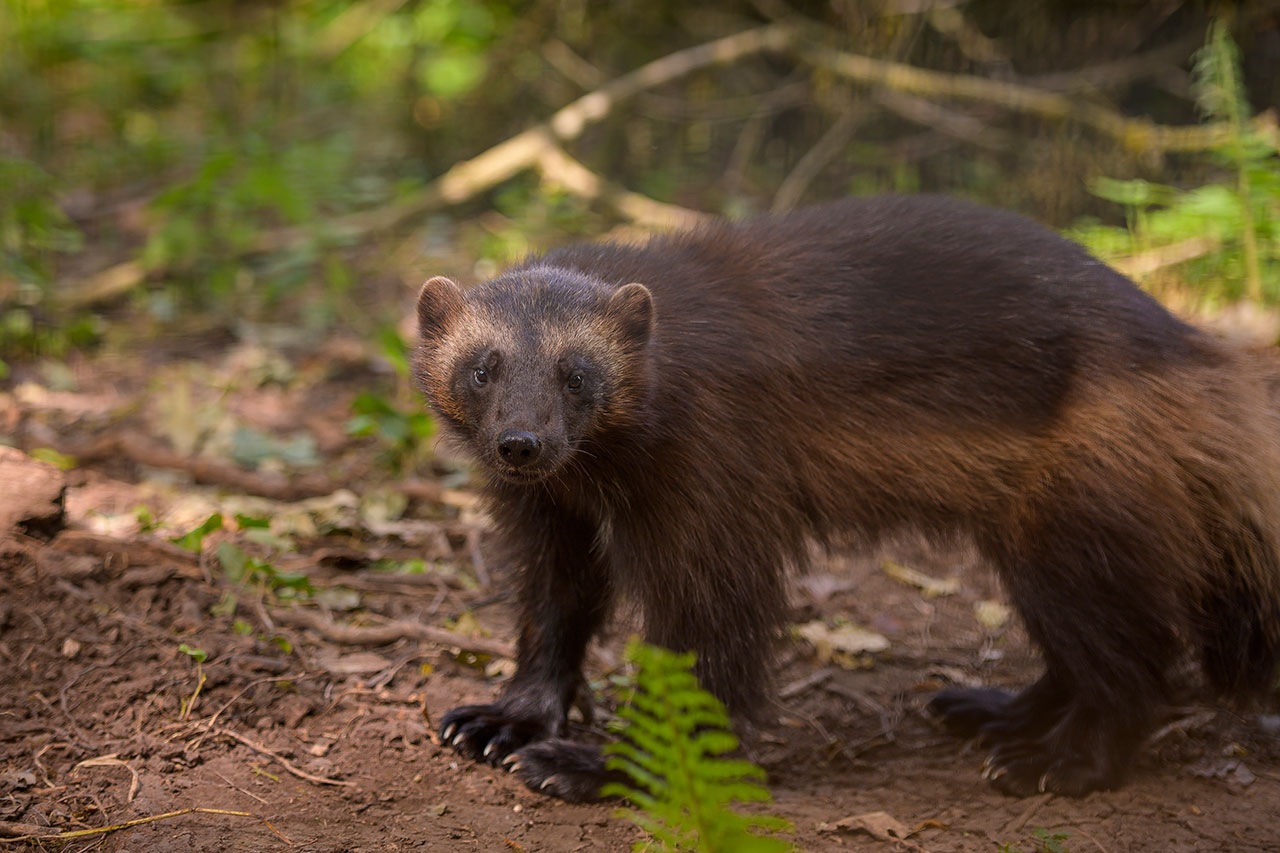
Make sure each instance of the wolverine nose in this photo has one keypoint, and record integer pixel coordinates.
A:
(518, 447)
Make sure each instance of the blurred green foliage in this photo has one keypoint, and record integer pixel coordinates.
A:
(1239, 212)
(197, 165)
(245, 570)
(184, 133)
(401, 431)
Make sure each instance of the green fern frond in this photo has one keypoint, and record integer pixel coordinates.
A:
(674, 739)
(1221, 94)
(1219, 87)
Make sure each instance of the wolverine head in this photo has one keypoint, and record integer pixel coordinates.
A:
(527, 368)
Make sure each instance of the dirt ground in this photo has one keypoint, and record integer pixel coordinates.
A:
(313, 711)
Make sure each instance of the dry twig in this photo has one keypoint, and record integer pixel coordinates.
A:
(207, 471)
(207, 725)
(23, 832)
(390, 632)
(1145, 263)
(283, 762)
(831, 143)
(529, 149)
(1135, 133)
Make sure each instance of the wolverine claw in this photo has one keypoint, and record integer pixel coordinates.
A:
(458, 739)
(448, 732)
(546, 782)
(510, 759)
(1044, 781)
(514, 767)
(487, 749)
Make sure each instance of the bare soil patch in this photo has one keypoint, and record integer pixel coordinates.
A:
(325, 735)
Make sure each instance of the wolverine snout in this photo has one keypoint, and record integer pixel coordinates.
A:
(518, 447)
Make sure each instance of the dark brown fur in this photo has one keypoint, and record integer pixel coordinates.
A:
(845, 371)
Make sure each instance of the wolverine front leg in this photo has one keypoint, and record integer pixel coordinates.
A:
(564, 595)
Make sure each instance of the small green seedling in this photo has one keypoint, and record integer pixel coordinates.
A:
(193, 540)
(199, 656)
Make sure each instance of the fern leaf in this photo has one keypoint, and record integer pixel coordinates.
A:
(674, 739)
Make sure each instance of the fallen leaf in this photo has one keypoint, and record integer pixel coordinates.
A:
(991, 614)
(339, 598)
(928, 585)
(845, 639)
(356, 663)
(821, 587)
(18, 780)
(500, 667)
(1230, 770)
(879, 825)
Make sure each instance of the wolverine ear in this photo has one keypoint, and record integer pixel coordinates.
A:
(631, 307)
(438, 301)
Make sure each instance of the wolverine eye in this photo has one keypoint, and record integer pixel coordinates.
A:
(575, 382)
(481, 376)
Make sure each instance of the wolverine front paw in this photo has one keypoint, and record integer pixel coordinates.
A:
(560, 768)
(490, 732)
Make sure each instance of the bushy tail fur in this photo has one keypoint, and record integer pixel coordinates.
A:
(1242, 612)
(1241, 598)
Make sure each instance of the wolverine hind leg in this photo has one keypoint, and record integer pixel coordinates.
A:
(1107, 639)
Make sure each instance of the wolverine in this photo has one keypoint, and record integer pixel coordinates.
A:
(676, 423)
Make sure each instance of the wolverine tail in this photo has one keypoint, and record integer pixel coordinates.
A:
(1241, 609)
(1241, 592)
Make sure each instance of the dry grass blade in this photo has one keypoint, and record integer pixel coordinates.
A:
(112, 760)
(71, 835)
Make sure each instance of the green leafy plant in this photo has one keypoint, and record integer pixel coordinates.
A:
(673, 748)
(241, 568)
(1048, 842)
(61, 461)
(32, 227)
(199, 656)
(1219, 233)
(193, 540)
(402, 431)
(147, 520)
(1221, 95)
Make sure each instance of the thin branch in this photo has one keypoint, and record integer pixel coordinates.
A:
(558, 167)
(105, 285)
(916, 7)
(1134, 133)
(1157, 62)
(566, 60)
(1145, 263)
(301, 774)
(389, 632)
(973, 43)
(506, 159)
(503, 161)
(353, 24)
(937, 117)
(207, 471)
(831, 143)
